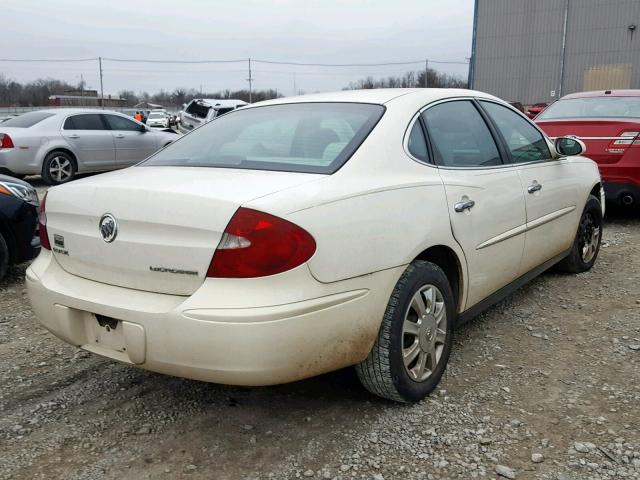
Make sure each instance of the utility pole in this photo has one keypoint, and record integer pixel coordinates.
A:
(250, 80)
(426, 73)
(295, 89)
(82, 89)
(101, 86)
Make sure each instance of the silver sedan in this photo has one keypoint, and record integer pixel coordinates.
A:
(59, 143)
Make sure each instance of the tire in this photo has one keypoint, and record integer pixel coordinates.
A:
(58, 167)
(383, 372)
(4, 257)
(586, 245)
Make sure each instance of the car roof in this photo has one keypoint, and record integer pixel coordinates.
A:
(604, 93)
(70, 111)
(379, 96)
(217, 102)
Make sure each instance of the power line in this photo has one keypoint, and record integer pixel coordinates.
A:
(272, 62)
(132, 60)
(51, 60)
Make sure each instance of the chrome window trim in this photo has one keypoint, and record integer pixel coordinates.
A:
(472, 98)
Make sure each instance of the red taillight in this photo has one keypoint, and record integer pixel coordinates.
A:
(5, 141)
(256, 244)
(626, 138)
(42, 228)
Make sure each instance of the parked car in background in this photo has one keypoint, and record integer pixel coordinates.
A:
(19, 241)
(202, 110)
(518, 106)
(158, 119)
(303, 235)
(534, 110)
(608, 122)
(60, 143)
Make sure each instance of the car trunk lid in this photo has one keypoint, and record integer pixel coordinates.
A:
(169, 222)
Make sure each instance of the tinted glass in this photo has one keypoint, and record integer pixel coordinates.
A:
(120, 123)
(298, 137)
(26, 120)
(459, 136)
(593, 107)
(417, 144)
(524, 141)
(84, 122)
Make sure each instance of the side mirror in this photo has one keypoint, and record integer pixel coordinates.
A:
(570, 146)
(143, 129)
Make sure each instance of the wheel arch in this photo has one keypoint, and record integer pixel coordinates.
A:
(62, 149)
(450, 262)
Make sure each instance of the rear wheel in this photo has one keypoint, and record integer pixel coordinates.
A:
(587, 242)
(4, 257)
(415, 338)
(58, 167)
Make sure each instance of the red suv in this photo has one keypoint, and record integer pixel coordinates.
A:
(608, 122)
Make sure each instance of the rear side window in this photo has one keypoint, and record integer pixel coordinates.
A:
(120, 123)
(27, 120)
(459, 136)
(524, 141)
(417, 145)
(84, 122)
(297, 137)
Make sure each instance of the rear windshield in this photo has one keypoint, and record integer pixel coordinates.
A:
(593, 107)
(297, 137)
(198, 109)
(26, 120)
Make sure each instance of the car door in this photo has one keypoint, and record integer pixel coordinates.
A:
(485, 199)
(550, 186)
(90, 140)
(133, 144)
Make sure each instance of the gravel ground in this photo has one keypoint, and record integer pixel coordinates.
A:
(544, 385)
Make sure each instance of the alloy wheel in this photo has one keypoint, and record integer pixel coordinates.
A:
(589, 237)
(60, 169)
(424, 332)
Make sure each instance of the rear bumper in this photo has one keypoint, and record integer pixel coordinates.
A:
(216, 335)
(19, 161)
(623, 192)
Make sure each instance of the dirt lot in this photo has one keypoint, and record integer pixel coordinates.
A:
(544, 385)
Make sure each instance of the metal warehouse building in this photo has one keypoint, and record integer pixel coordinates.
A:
(538, 50)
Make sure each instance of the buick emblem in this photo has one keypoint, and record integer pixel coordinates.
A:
(108, 228)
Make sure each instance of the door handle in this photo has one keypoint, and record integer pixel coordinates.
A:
(119, 135)
(534, 187)
(464, 204)
(74, 135)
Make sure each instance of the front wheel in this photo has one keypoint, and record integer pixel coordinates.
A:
(4, 257)
(586, 245)
(415, 338)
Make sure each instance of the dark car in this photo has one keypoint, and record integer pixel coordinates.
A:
(19, 240)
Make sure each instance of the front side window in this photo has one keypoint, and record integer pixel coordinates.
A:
(593, 107)
(84, 122)
(459, 136)
(524, 141)
(297, 137)
(117, 122)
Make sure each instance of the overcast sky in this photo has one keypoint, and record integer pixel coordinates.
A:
(312, 31)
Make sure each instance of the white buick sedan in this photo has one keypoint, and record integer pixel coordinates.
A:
(302, 235)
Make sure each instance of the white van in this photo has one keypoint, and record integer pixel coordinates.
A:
(203, 110)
